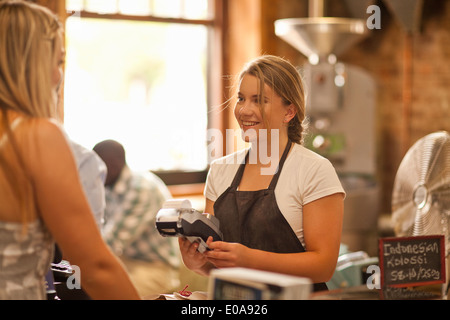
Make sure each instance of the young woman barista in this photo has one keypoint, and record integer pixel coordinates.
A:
(289, 221)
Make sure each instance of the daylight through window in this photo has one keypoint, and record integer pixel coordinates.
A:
(143, 83)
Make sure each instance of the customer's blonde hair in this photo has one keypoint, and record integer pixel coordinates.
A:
(286, 81)
(29, 40)
(30, 37)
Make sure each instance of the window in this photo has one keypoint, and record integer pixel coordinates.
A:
(137, 72)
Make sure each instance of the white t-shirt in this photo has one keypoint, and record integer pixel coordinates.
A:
(305, 177)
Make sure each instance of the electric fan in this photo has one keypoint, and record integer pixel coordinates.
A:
(421, 194)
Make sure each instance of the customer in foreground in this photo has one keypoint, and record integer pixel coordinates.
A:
(42, 200)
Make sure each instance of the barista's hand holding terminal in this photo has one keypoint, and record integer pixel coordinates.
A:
(284, 218)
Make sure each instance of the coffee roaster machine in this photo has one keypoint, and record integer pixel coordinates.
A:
(341, 101)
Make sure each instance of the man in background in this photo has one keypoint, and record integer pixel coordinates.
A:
(132, 202)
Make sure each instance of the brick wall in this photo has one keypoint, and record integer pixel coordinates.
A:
(413, 76)
(412, 73)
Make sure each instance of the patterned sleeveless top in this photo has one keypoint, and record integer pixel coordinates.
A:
(24, 260)
(24, 257)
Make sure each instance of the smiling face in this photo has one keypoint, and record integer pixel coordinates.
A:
(255, 112)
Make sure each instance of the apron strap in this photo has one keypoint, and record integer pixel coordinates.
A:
(238, 176)
(274, 181)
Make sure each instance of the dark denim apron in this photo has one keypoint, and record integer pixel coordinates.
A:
(253, 218)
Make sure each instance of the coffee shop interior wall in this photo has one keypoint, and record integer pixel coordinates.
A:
(411, 68)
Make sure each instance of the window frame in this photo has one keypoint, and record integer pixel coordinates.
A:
(214, 83)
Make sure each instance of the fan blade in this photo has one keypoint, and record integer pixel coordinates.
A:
(425, 149)
(421, 192)
(442, 196)
(403, 220)
(438, 174)
(428, 221)
(408, 174)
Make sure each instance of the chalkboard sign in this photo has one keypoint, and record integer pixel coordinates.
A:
(412, 261)
(410, 293)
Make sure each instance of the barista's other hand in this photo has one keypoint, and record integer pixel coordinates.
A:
(227, 254)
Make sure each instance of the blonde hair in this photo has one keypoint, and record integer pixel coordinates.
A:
(30, 37)
(286, 81)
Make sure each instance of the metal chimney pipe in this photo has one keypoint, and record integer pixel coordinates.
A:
(316, 8)
(319, 37)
